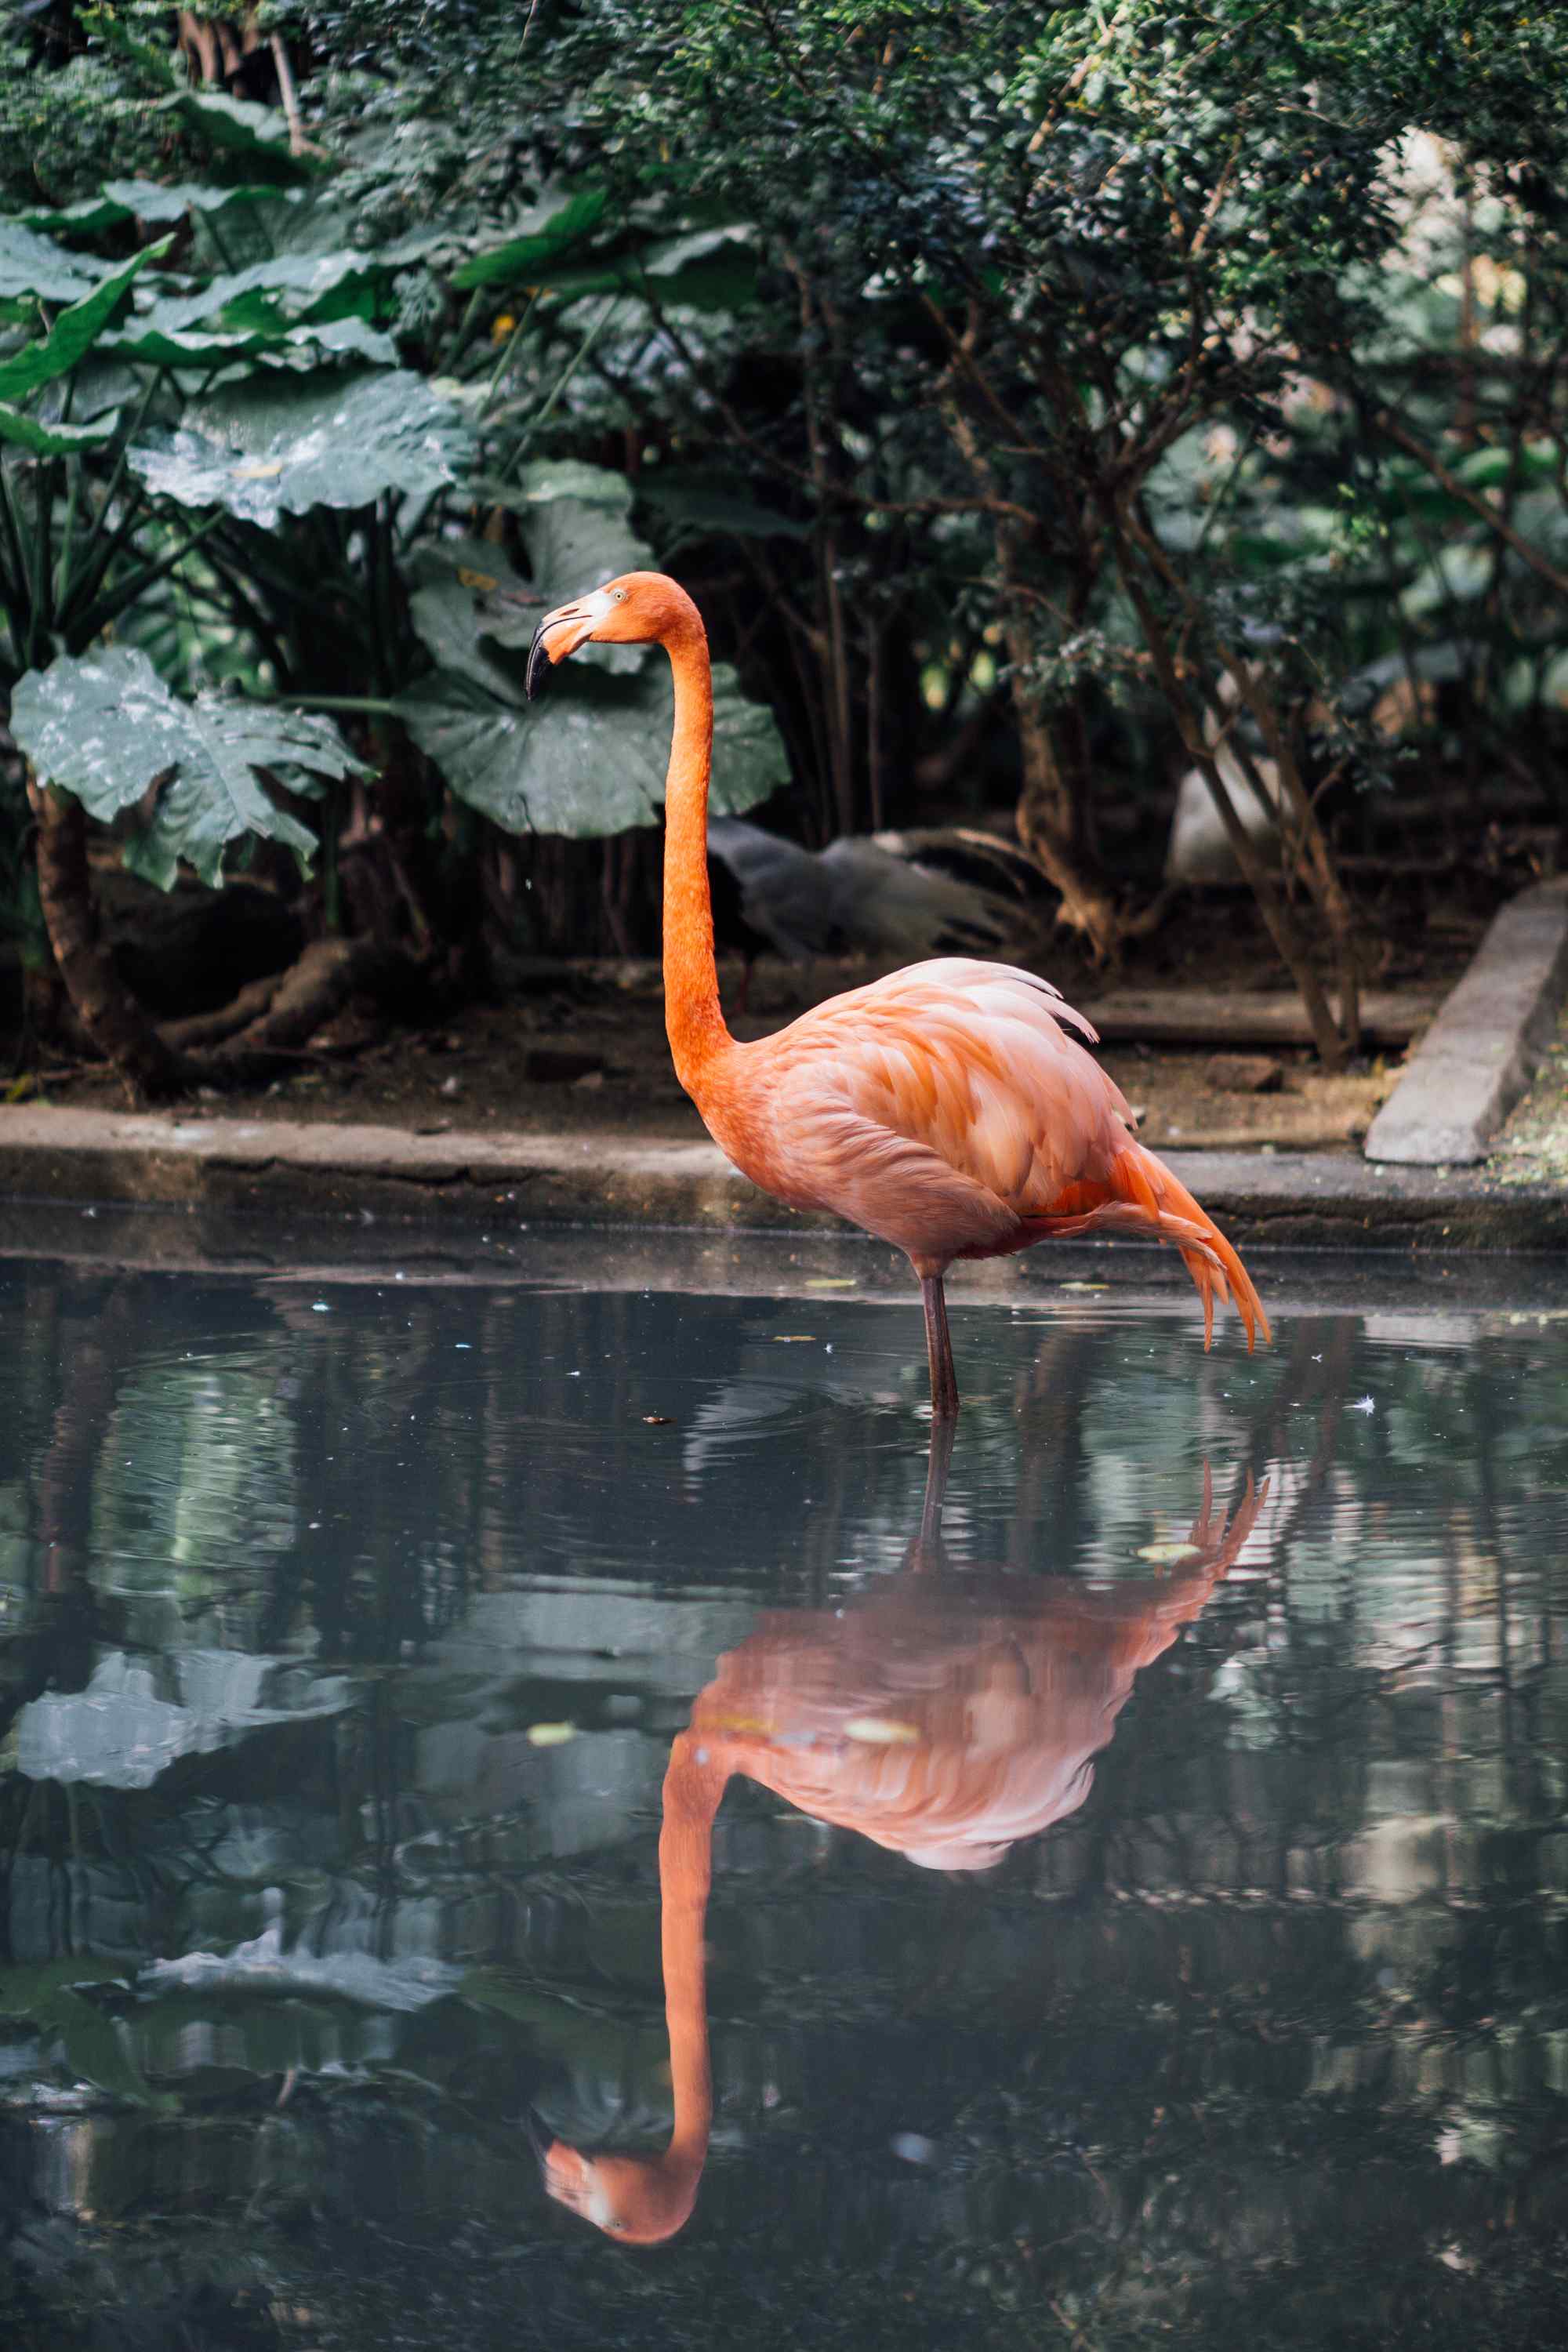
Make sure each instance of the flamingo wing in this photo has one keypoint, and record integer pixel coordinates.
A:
(943, 1107)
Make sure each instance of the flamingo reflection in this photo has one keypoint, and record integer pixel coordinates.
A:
(943, 1714)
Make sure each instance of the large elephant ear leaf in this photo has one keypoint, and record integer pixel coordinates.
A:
(274, 447)
(106, 727)
(33, 268)
(589, 757)
(73, 333)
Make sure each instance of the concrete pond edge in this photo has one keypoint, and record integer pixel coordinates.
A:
(500, 1182)
(1478, 1056)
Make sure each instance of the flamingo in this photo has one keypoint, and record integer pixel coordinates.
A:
(943, 1718)
(946, 1107)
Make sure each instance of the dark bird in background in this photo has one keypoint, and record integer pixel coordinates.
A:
(936, 891)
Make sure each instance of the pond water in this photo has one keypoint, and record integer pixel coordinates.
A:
(1138, 1894)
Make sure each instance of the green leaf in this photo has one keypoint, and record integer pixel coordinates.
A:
(590, 760)
(268, 447)
(106, 727)
(577, 529)
(589, 757)
(556, 478)
(73, 333)
(31, 267)
(291, 288)
(52, 440)
(153, 202)
(711, 270)
(208, 347)
(555, 225)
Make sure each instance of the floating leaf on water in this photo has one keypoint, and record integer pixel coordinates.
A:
(1170, 1555)
(791, 1339)
(1083, 1286)
(658, 1420)
(881, 1731)
(831, 1281)
(549, 1735)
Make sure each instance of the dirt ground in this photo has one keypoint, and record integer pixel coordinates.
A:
(583, 1050)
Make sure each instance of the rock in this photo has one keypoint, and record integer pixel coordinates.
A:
(1244, 1074)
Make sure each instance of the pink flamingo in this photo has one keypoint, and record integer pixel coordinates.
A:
(943, 1717)
(946, 1107)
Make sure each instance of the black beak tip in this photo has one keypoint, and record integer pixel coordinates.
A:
(538, 668)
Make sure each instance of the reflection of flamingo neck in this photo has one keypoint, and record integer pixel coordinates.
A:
(692, 1788)
(652, 2197)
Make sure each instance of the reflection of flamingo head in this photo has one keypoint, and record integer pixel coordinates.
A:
(636, 2200)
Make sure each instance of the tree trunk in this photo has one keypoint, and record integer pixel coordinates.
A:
(107, 1010)
(1047, 825)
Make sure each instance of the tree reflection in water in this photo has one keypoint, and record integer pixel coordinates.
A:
(945, 1714)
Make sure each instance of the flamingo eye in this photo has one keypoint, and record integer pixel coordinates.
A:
(618, 595)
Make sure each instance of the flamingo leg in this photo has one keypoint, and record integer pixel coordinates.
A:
(939, 1348)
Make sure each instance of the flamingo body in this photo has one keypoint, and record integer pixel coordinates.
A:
(946, 1108)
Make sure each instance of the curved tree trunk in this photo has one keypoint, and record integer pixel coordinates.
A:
(105, 1008)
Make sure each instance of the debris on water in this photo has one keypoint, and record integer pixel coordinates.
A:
(549, 1735)
(1170, 1555)
(881, 1731)
(830, 1281)
(1365, 1404)
(1083, 1286)
(658, 1420)
(791, 1339)
(913, 2147)
(319, 1307)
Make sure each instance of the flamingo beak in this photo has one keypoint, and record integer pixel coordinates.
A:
(559, 634)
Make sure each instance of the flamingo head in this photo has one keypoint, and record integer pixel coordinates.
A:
(637, 608)
(634, 2200)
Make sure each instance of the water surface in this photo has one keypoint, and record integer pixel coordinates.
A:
(1138, 1895)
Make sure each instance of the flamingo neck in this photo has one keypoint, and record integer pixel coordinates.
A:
(692, 1019)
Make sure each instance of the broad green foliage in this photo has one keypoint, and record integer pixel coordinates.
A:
(72, 334)
(107, 728)
(34, 269)
(589, 756)
(1066, 357)
(270, 448)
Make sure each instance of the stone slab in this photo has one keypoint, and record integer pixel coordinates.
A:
(1480, 1054)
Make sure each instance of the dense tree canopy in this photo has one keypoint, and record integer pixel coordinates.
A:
(1042, 395)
